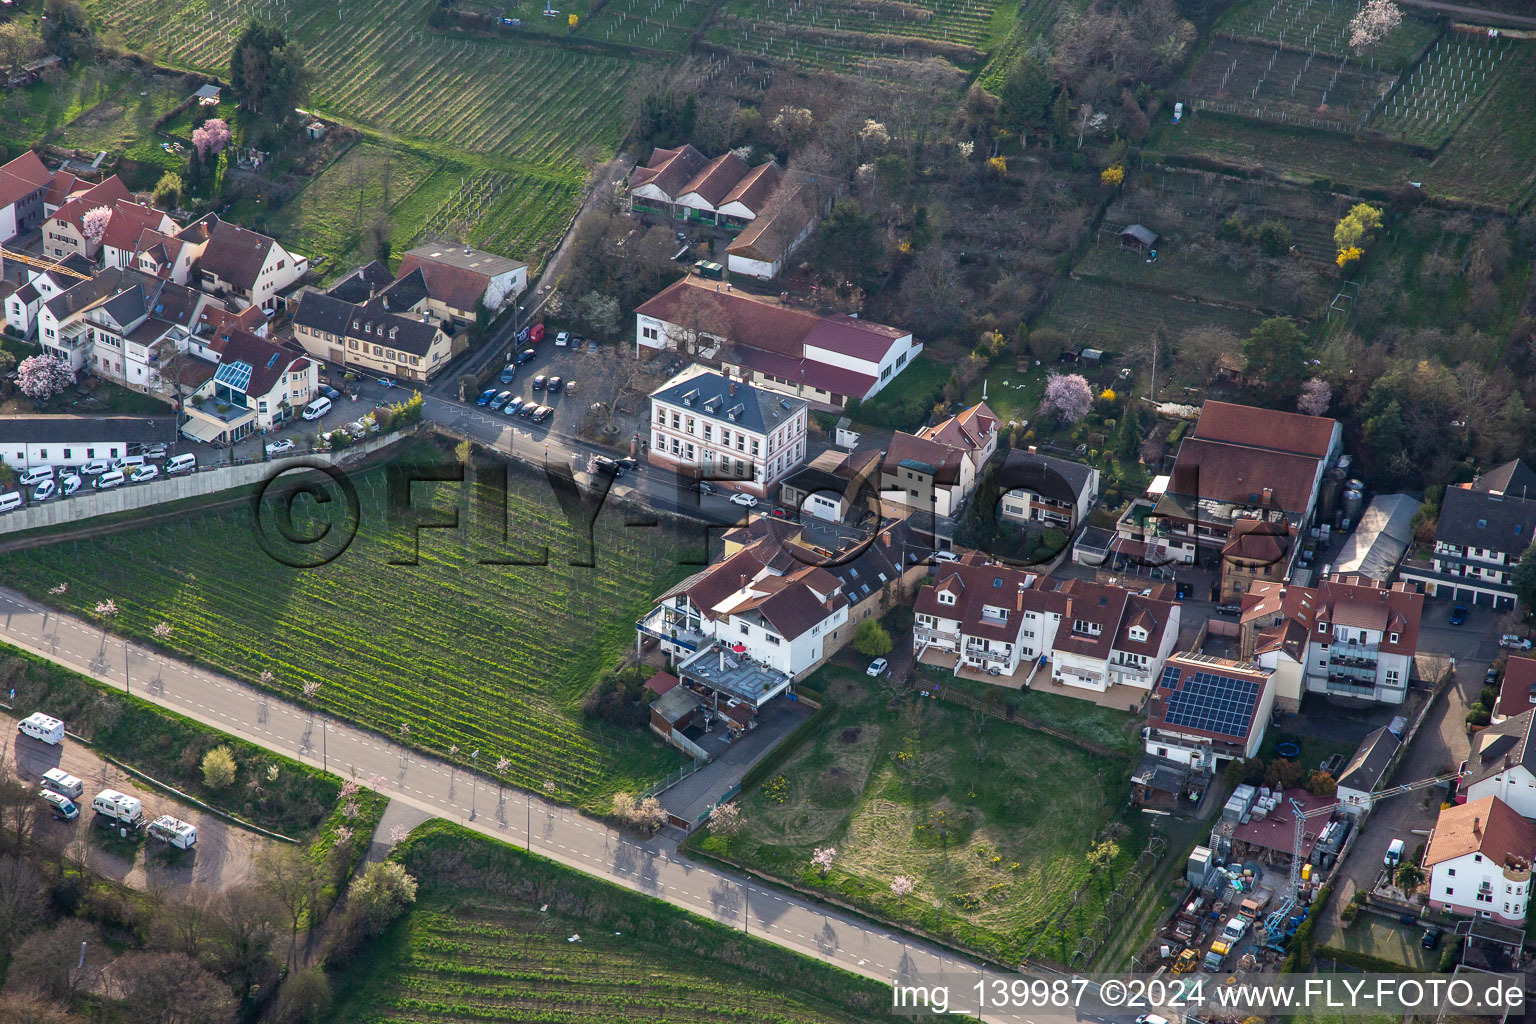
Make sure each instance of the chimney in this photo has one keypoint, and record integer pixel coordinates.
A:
(828, 603)
(743, 581)
(1269, 494)
(733, 389)
(1477, 826)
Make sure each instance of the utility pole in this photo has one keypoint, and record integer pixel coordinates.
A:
(1152, 387)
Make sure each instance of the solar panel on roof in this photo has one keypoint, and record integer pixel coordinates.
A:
(1210, 702)
(236, 374)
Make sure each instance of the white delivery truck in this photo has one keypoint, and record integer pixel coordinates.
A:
(119, 807)
(41, 727)
(174, 831)
(60, 781)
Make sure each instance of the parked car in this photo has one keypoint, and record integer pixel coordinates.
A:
(562, 339)
(1151, 1018)
(877, 667)
(555, 385)
(528, 408)
(509, 373)
(539, 382)
(45, 490)
(279, 446)
(388, 382)
(357, 428)
(1229, 609)
(1458, 614)
(62, 806)
(69, 483)
(1431, 938)
(1394, 854)
(35, 476)
(744, 500)
(945, 556)
(629, 463)
(541, 413)
(486, 396)
(1514, 643)
(779, 513)
(10, 501)
(1491, 677)
(500, 400)
(110, 479)
(603, 464)
(705, 487)
(570, 387)
(144, 473)
(316, 409)
(329, 392)
(95, 467)
(154, 451)
(526, 355)
(514, 405)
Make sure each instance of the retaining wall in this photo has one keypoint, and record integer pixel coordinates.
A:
(177, 488)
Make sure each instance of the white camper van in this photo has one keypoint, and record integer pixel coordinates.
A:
(60, 781)
(174, 831)
(41, 727)
(119, 807)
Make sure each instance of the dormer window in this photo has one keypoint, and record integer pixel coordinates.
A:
(1138, 634)
(1322, 627)
(945, 597)
(1392, 637)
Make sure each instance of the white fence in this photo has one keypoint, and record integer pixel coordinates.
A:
(177, 488)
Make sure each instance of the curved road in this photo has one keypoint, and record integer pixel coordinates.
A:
(652, 867)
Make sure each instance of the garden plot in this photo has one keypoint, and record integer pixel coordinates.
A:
(1438, 92)
(1289, 86)
(1102, 314)
(848, 34)
(1214, 271)
(468, 655)
(1322, 27)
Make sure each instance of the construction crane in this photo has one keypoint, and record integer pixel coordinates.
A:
(43, 263)
(1275, 923)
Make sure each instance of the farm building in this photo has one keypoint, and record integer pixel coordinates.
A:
(57, 440)
(207, 95)
(1138, 236)
(459, 280)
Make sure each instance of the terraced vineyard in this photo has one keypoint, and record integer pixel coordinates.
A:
(643, 24)
(1322, 27)
(1107, 315)
(478, 656)
(1438, 92)
(532, 103)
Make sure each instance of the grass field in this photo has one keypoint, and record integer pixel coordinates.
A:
(488, 941)
(526, 102)
(996, 846)
(467, 654)
(1107, 315)
(1202, 271)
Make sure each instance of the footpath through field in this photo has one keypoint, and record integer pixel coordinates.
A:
(652, 867)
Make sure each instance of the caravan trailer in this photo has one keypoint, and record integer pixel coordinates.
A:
(174, 831)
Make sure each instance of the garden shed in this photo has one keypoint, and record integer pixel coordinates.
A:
(1138, 236)
(208, 95)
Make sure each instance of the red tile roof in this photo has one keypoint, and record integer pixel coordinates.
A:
(456, 287)
(1363, 603)
(969, 428)
(21, 177)
(1258, 542)
(1236, 473)
(753, 190)
(129, 221)
(60, 188)
(1488, 826)
(661, 682)
(974, 587)
(1517, 694)
(1265, 428)
(669, 169)
(717, 179)
(105, 194)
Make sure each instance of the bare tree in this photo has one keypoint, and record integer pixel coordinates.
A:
(172, 988)
(22, 900)
(25, 1007)
(294, 881)
(60, 962)
(245, 934)
(696, 318)
(183, 924)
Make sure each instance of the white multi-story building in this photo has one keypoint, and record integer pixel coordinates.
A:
(27, 442)
(707, 425)
(1206, 710)
(1483, 529)
(1503, 764)
(257, 386)
(1479, 860)
(937, 468)
(245, 267)
(999, 620)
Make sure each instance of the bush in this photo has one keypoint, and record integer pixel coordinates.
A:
(871, 640)
(219, 768)
(383, 893)
(1478, 715)
(617, 698)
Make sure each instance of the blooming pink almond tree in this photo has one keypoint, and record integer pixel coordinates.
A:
(42, 377)
(211, 137)
(1068, 396)
(1371, 25)
(62, 588)
(901, 885)
(1315, 397)
(502, 764)
(397, 834)
(822, 859)
(162, 631)
(94, 224)
(105, 610)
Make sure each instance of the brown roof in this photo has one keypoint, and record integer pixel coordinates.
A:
(661, 682)
(716, 179)
(853, 336)
(1265, 428)
(745, 319)
(753, 190)
(1500, 747)
(669, 169)
(1239, 474)
(455, 287)
(1488, 826)
(21, 177)
(1364, 603)
(128, 223)
(267, 361)
(795, 609)
(105, 194)
(1266, 598)
(1258, 542)
(969, 428)
(1518, 692)
(60, 189)
(943, 460)
(235, 254)
(974, 587)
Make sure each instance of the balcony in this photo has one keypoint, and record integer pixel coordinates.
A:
(1347, 687)
(932, 636)
(667, 625)
(1354, 655)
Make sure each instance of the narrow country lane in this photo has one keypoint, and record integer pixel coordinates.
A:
(652, 867)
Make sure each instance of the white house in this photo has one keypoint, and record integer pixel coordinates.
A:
(1040, 489)
(247, 267)
(1503, 764)
(707, 425)
(459, 279)
(824, 360)
(23, 183)
(27, 442)
(1206, 710)
(23, 304)
(1364, 773)
(125, 228)
(1483, 529)
(1479, 860)
(256, 387)
(997, 620)
(937, 468)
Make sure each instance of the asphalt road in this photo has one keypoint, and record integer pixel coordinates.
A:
(651, 867)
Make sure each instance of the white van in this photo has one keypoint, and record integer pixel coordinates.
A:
(316, 409)
(119, 807)
(144, 473)
(108, 480)
(96, 467)
(63, 807)
(123, 463)
(60, 781)
(10, 501)
(1394, 853)
(174, 831)
(181, 464)
(35, 476)
(42, 727)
